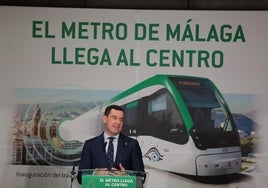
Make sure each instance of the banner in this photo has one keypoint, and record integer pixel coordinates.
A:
(60, 67)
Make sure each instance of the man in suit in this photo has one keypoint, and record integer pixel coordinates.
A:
(126, 153)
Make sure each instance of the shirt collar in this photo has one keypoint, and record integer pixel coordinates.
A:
(106, 136)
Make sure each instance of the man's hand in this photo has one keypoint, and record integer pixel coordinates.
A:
(112, 172)
(101, 172)
(120, 171)
(122, 168)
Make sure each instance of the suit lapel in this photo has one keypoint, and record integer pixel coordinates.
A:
(102, 153)
(121, 149)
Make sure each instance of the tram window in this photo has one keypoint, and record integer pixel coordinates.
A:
(131, 117)
(199, 97)
(164, 118)
(158, 104)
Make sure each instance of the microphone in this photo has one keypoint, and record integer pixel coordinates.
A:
(72, 175)
(125, 144)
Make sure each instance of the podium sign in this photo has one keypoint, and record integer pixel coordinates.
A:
(92, 181)
(97, 178)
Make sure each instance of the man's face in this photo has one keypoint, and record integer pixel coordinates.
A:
(113, 122)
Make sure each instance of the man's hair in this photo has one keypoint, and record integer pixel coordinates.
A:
(113, 106)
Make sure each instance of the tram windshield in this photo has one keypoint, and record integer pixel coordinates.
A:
(213, 126)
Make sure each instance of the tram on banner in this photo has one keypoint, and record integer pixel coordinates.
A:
(183, 125)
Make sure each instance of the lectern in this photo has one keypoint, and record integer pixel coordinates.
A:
(97, 178)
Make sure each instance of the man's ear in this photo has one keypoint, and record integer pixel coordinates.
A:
(104, 119)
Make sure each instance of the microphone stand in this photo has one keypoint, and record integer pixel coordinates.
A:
(72, 175)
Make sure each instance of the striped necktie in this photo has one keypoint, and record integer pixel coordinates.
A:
(110, 152)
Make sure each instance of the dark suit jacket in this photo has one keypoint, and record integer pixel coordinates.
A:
(94, 155)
